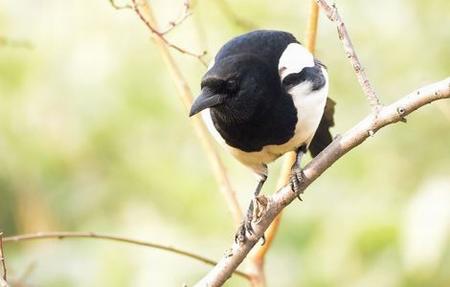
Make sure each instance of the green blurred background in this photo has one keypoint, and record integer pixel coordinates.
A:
(93, 137)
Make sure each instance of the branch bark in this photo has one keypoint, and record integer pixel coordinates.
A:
(64, 234)
(333, 14)
(340, 146)
(141, 10)
(184, 15)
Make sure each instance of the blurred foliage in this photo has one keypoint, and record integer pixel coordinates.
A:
(93, 137)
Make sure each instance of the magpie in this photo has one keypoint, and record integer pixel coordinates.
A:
(264, 94)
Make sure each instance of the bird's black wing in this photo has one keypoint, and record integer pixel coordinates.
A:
(322, 138)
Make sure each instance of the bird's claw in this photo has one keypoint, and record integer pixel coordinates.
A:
(240, 233)
(254, 213)
(244, 229)
(296, 180)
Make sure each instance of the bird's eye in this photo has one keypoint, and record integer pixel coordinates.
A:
(231, 85)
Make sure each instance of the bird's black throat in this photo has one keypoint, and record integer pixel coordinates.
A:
(273, 126)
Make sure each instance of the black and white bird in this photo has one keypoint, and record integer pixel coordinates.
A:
(263, 96)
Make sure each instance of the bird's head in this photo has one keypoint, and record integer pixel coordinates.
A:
(237, 87)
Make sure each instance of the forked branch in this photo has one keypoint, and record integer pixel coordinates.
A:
(161, 34)
(184, 15)
(340, 146)
(333, 14)
(146, 14)
(92, 235)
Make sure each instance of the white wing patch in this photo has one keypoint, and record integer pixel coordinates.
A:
(294, 59)
(310, 106)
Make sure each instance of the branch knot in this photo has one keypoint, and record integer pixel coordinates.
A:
(401, 113)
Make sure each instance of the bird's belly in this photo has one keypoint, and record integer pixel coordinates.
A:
(264, 156)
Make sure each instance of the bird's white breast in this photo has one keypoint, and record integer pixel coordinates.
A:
(310, 106)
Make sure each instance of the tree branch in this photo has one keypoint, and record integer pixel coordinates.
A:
(311, 28)
(161, 34)
(172, 24)
(340, 146)
(333, 14)
(185, 94)
(92, 235)
(184, 15)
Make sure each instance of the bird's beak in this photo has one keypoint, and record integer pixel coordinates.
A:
(206, 99)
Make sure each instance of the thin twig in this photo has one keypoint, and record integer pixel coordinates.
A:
(257, 259)
(332, 13)
(183, 16)
(340, 146)
(172, 24)
(160, 35)
(185, 94)
(2, 259)
(312, 27)
(65, 234)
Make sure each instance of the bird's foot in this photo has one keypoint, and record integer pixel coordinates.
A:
(243, 229)
(297, 176)
(254, 213)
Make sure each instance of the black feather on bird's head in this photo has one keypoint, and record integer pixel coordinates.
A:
(237, 88)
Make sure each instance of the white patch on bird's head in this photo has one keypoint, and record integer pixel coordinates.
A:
(294, 58)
